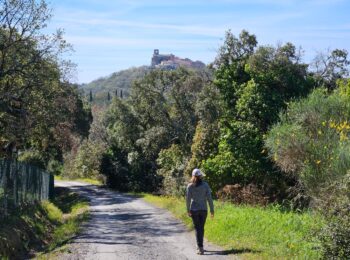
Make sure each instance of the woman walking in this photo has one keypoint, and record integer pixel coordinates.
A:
(198, 194)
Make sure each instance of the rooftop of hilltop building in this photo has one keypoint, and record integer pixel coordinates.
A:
(170, 61)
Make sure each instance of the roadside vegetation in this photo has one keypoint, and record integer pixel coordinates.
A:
(266, 129)
(43, 228)
(255, 232)
(264, 126)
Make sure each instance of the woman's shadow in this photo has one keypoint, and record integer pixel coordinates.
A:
(230, 251)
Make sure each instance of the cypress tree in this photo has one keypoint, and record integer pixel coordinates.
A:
(91, 98)
(121, 93)
(108, 96)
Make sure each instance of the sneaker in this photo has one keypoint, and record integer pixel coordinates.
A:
(200, 251)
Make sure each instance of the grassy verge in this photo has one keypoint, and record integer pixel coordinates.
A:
(255, 232)
(87, 180)
(43, 227)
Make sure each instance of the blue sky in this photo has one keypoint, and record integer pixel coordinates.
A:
(108, 36)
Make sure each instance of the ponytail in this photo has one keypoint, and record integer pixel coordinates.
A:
(196, 180)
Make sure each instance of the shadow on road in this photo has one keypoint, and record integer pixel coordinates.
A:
(103, 196)
(231, 251)
(113, 223)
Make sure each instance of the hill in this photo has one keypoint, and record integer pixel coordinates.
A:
(117, 83)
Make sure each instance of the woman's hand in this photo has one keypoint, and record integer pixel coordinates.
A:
(189, 214)
(212, 215)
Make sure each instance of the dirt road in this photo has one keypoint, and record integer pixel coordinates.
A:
(125, 227)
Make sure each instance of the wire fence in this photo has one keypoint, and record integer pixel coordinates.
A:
(22, 184)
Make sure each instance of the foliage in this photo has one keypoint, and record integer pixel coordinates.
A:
(205, 140)
(255, 84)
(335, 236)
(159, 113)
(330, 67)
(311, 141)
(118, 83)
(114, 166)
(238, 194)
(55, 167)
(204, 145)
(32, 158)
(172, 164)
(39, 109)
(86, 162)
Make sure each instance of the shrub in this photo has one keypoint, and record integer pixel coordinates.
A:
(335, 236)
(85, 163)
(312, 141)
(32, 157)
(114, 166)
(55, 167)
(238, 194)
(172, 162)
(204, 144)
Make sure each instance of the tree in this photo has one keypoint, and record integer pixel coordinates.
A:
(160, 113)
(330, 67)
(38, 104)
(91, 97)
(255, 84)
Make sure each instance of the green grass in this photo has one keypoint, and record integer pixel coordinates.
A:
(72, 212)
(43, 227)
(255, 232)
(87, 180)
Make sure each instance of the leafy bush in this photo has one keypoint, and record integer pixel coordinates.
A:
(55, 167)
(238, 194)
(114, 166)
(32, 157)
(312, 141)
(172, 162)
(335, 236)
(204, 145)
(85, 163)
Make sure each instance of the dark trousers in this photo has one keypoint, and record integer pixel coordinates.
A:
(199, 217)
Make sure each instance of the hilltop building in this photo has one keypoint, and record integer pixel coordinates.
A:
(170, 61)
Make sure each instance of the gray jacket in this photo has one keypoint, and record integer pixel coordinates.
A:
(197, 197)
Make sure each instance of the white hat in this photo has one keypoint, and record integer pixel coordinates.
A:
(197, 172)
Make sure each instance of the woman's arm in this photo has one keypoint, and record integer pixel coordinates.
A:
(210, 200)
(188, 200)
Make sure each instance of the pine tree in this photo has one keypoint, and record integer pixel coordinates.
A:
(121, 93)
(108, 96)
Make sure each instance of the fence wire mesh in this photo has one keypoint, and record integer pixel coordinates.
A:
(22, 184)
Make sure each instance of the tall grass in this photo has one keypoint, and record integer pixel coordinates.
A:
(255, 232)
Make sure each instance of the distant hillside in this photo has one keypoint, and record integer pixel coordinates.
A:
(117, 82)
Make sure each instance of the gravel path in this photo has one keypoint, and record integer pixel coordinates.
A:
(125, 227)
